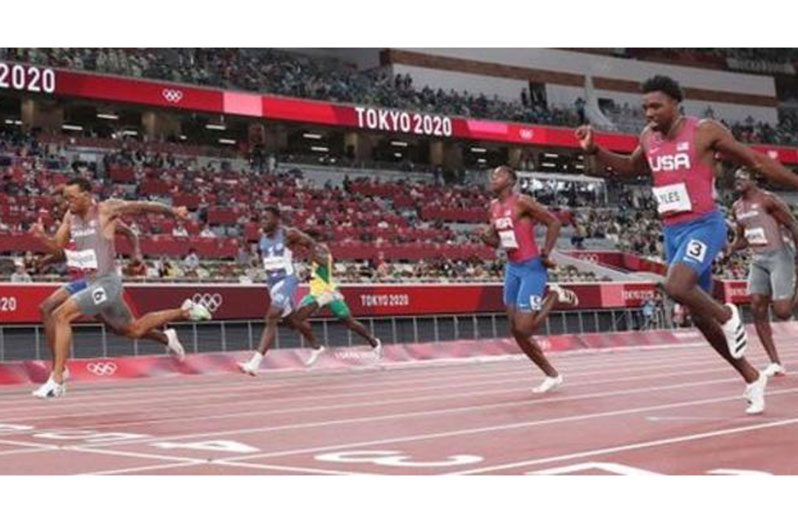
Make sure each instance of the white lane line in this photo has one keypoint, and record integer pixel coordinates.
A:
(427, 413)
(225, 389)
(260, 412)
(171, 403)
(283, 468)
(634, 446)
(25, 451)
(317, 405)
(42, 446)
(126, 454)
(146, 468)
(497, 428)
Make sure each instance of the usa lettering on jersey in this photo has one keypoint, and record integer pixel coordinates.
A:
(670, 162)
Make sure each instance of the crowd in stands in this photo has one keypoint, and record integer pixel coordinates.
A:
(378, 230)
(630, 119)
(325, 78)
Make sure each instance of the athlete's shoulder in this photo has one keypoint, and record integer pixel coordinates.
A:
(646, 135)
(709, 124)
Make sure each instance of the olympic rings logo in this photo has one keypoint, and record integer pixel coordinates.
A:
(591, 258)
(102, 368)
(212, 302)
(172, 95)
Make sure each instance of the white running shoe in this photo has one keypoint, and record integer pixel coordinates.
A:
(174, 345)
(566, 296)
(775, 369)
(734, 330)
(755, 395)
(378, 349)
(314, 355)
(251, 367)
(196, 311)
(248, 368)
(49, 389)
(548, 385)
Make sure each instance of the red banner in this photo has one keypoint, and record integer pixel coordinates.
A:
(20, 303)
(68, 83)
(734, 291)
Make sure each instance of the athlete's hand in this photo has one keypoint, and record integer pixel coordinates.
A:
(181, 212)
(39, 263)
(486, 235)
(547, 262)
(584, 134)
(37, 229)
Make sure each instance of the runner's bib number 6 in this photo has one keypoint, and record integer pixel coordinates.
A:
(672, 198)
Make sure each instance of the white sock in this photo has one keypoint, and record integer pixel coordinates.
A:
(255, 360)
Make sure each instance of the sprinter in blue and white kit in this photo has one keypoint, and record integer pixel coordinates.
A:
(276, 244)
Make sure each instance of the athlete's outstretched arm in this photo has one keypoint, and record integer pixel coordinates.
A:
(541, 214)
(295, 236)
(54, 246)
(722, 140)
(624, 165)
(132, 237)
(781, 212)
(116, 208)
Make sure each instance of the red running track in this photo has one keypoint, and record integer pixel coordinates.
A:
(658, 411)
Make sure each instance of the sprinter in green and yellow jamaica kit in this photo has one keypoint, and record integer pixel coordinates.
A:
(324, 293)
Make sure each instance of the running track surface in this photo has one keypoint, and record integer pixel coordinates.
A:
(671, 410)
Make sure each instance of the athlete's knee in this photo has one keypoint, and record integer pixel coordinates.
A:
(783, 310)
(47, 307)
(61, 313)
(677, 289)
(523, 329)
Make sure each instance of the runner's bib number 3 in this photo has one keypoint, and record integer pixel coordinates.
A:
(507, 239)
(672, 198)
(86, 259)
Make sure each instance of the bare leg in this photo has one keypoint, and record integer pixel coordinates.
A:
(760, 305)
(63, 317)
(714, 335)
(267, 338)
(298, 320)
(142, 326)
(682, 285)
(46, 309)
(359, 329)
(522, 326)
(540, 316)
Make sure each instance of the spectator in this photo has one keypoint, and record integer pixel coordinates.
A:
(20, 273)
(648, 310)
(180, 231)
(206, 232)
(580, 110)
(191, 262)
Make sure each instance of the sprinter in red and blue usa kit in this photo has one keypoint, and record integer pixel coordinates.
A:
(512, 217)
(680, 153)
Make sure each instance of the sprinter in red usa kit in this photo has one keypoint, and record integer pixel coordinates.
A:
(679, 152)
